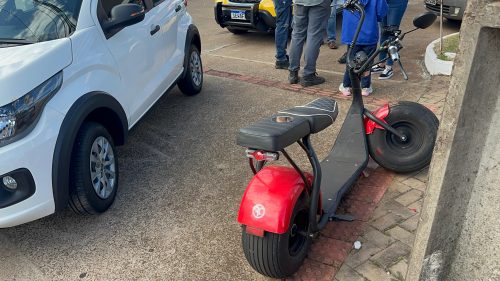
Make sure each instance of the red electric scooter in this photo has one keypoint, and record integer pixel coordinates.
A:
(283, 208)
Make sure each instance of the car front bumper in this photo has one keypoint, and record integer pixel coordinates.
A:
(32, 155)
(254, 18)
(452, 9)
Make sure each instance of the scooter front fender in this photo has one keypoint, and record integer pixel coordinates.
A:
(270, 197)
(381, 113)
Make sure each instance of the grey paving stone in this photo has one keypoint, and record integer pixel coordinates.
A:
(357, 257)
(378, 238)
(399, 187)
(414, 183)
(399, 269)
(387, 221)
(411, 224)
(409, 197)
(346, 273)
(417, 206)
(374, 273)
(402, 235)
(391, 255)
(423, 175)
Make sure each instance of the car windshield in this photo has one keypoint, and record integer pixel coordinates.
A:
(31, 21)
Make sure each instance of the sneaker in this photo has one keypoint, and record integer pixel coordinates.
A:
(366, 91)
(343, 59)
(345, 91)
(386, 74)
(377, 68)
(332, 45)
(311, 80)
(282, 64)
(293, 77)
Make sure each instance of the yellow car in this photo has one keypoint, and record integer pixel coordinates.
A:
(239, 16)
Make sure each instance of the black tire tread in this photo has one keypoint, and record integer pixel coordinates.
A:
(263, 252)
(186, 84)
(78, 200)
(377, 138)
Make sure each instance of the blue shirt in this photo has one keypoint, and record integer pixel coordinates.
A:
(375, 11)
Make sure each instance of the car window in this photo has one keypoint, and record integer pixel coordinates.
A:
(108, 5)
(38, 20)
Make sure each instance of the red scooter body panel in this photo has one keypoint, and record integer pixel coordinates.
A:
(380, 113)
(270, 197)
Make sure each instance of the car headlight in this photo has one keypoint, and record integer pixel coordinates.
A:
(19, 117)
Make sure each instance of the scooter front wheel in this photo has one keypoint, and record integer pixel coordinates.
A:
(280, 255)
(419, 125)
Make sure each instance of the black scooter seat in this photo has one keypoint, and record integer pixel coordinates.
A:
(289, 126)
(320, 113)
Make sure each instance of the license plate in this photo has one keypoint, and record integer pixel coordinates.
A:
(238, 15)
(431, 2)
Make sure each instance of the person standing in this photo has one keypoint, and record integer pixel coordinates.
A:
(331, 30)
(283, 10)
(375, 11)
(392, 21)
(309, 22)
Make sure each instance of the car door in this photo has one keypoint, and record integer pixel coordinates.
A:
(168, 13)
(138, 53)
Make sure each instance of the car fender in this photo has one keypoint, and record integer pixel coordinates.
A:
(270, 197)
(381, 113)
(70, 126)
(267, 6)
(192, 37)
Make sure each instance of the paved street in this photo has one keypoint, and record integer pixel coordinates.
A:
(182, 178)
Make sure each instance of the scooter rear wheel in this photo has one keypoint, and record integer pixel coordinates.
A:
(280, 255)
(420, 127)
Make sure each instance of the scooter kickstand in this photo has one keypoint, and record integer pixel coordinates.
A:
(340, 217)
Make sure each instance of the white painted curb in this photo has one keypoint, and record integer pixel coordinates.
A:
(434, 65)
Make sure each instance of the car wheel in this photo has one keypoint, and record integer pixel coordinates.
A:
(93, 170)
(192, 82)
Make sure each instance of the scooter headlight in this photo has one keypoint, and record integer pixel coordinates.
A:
(19, 117)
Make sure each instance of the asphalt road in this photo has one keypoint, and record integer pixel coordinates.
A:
(182, 175)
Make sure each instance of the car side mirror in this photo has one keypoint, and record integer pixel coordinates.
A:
(425, 20)
(125, 15)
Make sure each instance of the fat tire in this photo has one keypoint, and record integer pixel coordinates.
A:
(83, 199)
(237, 31)
(385, 151)
(187, 86)
(269, 255)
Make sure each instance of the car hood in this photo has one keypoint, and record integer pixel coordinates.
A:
(23, 68)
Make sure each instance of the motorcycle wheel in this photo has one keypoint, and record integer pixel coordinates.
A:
(280, 255)
(420, 126)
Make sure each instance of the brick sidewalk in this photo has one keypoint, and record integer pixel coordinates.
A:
(386, 207)
(388, 236)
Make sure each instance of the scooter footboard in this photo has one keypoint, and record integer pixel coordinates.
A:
(269, 199)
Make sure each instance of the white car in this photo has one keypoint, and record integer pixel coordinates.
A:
(75, 76)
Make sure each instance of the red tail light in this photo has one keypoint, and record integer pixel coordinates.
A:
(260, 155)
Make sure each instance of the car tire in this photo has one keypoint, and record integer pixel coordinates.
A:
(192, 82)
(93, 170)
(237, 31)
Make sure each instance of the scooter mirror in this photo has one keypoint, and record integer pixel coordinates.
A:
(425, 20)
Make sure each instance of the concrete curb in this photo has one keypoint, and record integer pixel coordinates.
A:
(434, 65)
